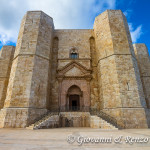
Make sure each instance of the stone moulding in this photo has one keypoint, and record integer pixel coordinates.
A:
(109, 74)
(86, 72)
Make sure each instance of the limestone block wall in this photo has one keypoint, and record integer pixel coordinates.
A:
(143, 60)
(75, 119)
(6, 57)
(78, 39)
(42, 53)
(120, 86)
(74, 38)
(82, 84)
(54, 85)
(28, 83)
(94, 89)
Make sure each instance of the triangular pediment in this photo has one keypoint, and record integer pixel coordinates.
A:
(74, 72)
(74, 69)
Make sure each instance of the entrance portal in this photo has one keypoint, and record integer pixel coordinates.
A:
(74, 98)
(74, 102)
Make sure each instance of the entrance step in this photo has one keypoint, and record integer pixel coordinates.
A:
(75, 119)
(49, 121)
(97, 122)
(71, 119)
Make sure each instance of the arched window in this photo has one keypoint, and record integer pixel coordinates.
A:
(73, 53)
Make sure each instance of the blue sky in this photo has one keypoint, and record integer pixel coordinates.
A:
(74, 14)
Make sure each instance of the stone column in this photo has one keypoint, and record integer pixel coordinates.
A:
(59, 96)
(88, 104)
(27, 89)
(121, 91)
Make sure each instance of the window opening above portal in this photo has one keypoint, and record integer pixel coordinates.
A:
(74, 53)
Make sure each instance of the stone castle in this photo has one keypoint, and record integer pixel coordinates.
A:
(73, 72)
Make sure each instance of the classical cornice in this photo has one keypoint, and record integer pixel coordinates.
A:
(71, 59)
(86, 72)
(86, 77)
(71, 65)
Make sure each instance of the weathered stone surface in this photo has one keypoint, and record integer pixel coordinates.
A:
(97, 122)
(143, 59)
(75, 119)
(52, 121)
(71, 119)
(61, 70)
(6, 57)
(27, 84)
(19, 117)
(119, 79)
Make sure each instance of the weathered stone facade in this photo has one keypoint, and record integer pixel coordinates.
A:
(74, 69)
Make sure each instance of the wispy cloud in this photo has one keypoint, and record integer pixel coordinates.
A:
(66, 14)
(69, 14)
(128, 13)
(136, 32)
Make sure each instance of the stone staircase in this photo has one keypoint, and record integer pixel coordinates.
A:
(97, 122)
(53, 121)
(49, 121)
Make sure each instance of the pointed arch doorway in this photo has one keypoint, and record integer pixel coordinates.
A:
(74, 98)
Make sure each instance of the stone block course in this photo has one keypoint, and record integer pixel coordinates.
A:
(62, 69)
(6, 57)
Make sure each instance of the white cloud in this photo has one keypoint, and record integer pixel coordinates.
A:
(7, 35)
(135, 33)
(128, 13)
(66, 14)
(69, 14)
(11, 12)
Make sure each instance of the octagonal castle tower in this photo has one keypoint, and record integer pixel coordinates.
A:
(91, 69)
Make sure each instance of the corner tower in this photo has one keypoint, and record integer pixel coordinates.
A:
(6, 57)
(143, 60)
(121, 92)
(28, 84)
